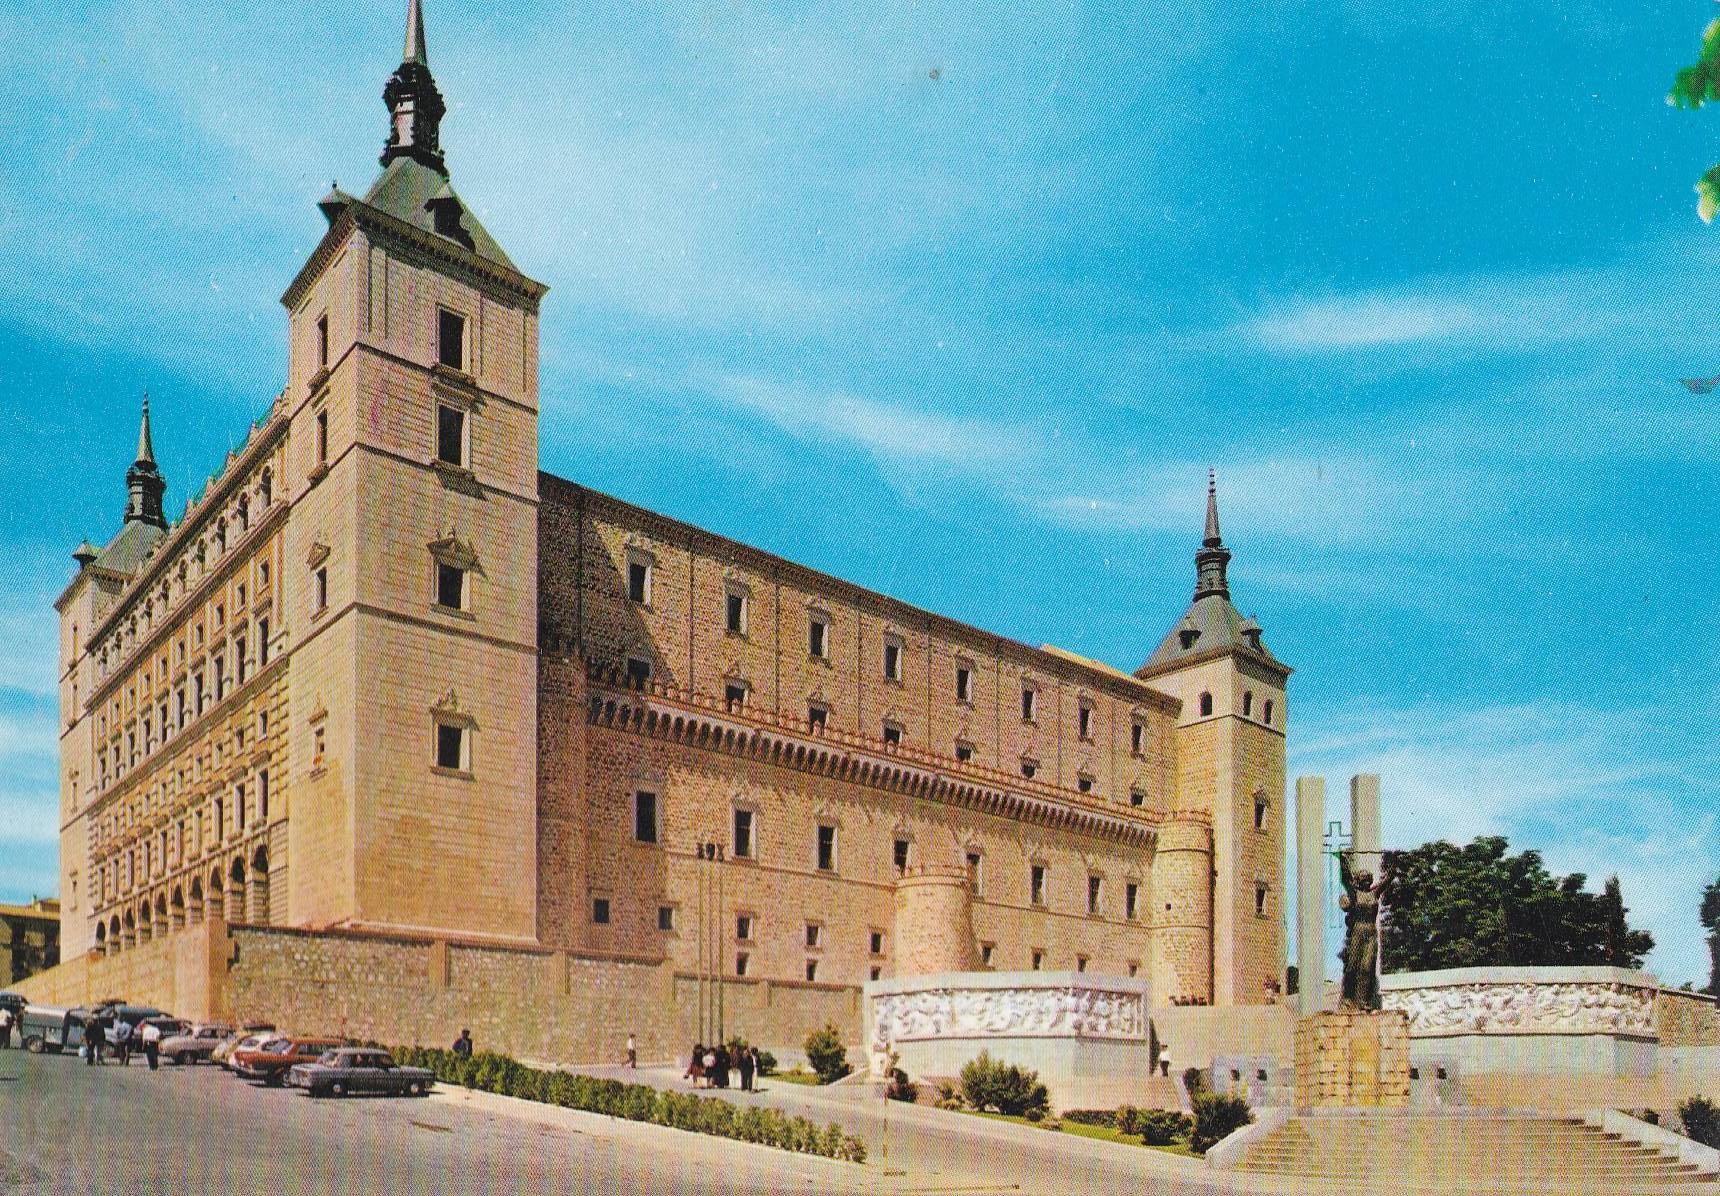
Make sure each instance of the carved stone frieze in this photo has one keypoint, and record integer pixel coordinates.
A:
(1526, 1008)
(1068, 1011)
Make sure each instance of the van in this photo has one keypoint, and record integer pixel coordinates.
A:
(47, 1028)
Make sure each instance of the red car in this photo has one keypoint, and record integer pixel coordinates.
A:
(270, 1061)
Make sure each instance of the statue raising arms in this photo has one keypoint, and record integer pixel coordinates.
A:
(1360, 902)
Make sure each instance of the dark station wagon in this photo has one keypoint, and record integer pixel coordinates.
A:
(359, 1070)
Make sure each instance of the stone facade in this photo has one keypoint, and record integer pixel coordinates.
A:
(29, 939)
(1353, 1059)
(386, 677)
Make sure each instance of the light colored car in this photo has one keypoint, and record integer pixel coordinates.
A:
(270, 1062)
(196, 1045)
(245, 1040)
(353, 1071)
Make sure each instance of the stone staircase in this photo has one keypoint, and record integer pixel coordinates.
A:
(1469, 1152)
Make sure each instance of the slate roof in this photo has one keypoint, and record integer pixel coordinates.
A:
(409, 190)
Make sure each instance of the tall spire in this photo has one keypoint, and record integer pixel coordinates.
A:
(1210, 562)
(143, 481)
(414, 104)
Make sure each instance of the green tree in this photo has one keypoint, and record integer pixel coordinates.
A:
(1710, 915)
(1694, 86)
(1478, 906)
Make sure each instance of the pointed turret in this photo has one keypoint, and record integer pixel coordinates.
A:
(415, 105)
(143, 481)
(1213, 558)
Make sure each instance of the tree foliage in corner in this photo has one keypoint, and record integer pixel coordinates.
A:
(1694, 86)
(1710, 915)
(1478, 906)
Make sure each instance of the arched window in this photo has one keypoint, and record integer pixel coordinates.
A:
(1260, 808)
(1205, 705)
(1247, 703)
(1266, 712)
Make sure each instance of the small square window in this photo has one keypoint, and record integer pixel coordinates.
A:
(1029, 704)
(818, 639)
(645, 816)
(876, 942)
(964, 683)
(814, 934)
(816, 718)
(1038, 958)
(1080, 963)
(811, 970)
(892, 733)
(736, 613)
(1029, 768)
(892, 661)
(744, 927)
(1094, 885)
(638, 672)
(876, 973)
(639, 582)
(450, 339)
(450, 586)
(1137, 798)
(665, 917)
(743, 844)
(600, 910)
(450, 746)
(741, 962)
(1036, 884)
(987, 952)
(735, 694)
(900, 856)
(450, 435)
(1084, 784)
(826, 847)
(964, 751)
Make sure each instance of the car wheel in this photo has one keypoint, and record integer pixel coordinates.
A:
(34, 1044)
(337, 1088)
(415, 1088)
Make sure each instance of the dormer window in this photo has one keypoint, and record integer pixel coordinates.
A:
(1248, 703)
(1187, 633)
(450, 339)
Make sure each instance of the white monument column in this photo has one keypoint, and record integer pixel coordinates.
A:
(1365, 822)
(1310, 894)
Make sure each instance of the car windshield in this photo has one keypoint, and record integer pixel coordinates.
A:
(272, 1046)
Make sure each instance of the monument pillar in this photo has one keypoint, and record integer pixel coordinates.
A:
(1310, 894)
(1365, 822)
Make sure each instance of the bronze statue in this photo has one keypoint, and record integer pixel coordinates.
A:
(1360, 902)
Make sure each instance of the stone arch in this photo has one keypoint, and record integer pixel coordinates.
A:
(216, 898)
(102, 938)
(258, 892)
(130, 928)
(194, 911)
(236, 910)
(115, 941)
(176, 909)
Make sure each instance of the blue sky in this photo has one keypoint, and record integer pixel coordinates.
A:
(961, 306)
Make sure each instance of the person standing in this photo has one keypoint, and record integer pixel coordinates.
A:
(696, 1065)
(632, 1052)
(93, 1039)
(746, 1063)
(122, 1041)
(5, 1028)
(722, 1080)
(463, 1044)
(151, 1037)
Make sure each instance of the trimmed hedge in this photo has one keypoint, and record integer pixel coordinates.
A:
(489, 1072)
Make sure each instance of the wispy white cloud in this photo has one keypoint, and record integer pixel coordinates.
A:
(1596, 790)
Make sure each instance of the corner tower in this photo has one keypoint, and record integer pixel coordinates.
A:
(1229, 778)
(411, 554)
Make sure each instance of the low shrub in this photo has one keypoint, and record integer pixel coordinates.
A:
(1700, 1118)
(1164, 1127)
(491, 1072)
(1194, 1080)
(989, 1084)
(826, 1054)
(766, 1063)
(1127, 1120)
(1102, 1117)
(1217, 1116)
(901, 1087)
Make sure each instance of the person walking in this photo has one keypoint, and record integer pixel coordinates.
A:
(121, 1036)
(463, 1044)
(93, 1039)
(632, 1052)
(696, 1065)
(746, 1063)
(151, 1036)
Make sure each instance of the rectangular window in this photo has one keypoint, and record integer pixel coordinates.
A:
(876, 973)
(1038, 958)
(645, 816)
(744, 927)
(826, 847)
(665, 917)
(450, 434)
(987, 952)
(450, 746)
(1260, 900)
(239, 806)
(262, 642)
(638, 672)
(741, 962)
(1029, 704)
(816, 717)
(973, 864)
(899, 856)
(322, 438)
(1093, 886)
(964, 751)
(1036, 884)
(262, 797)
(964, 683)
(892, 733)
(743, 845)
(639, 582)
(1084, 721)
(450, 339)
(319, 590)
(600, 910)
(818, 638)
(1134, 967)
(322, 342)
(1080, 963)
(735, 694)
(892, 661)
(1137, 738)
(814, 934)
(1131, 899)
(220, 819)
(811, 970)
(735, 612)
(450, 586)
(876, 943)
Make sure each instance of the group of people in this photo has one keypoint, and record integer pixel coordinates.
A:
(115, 1035)
(710, 1066)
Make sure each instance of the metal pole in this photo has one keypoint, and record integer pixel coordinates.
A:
(699, 888)
(717, 951)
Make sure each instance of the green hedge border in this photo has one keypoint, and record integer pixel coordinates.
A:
(490, 1072)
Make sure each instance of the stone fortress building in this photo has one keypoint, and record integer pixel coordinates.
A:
(384, 679)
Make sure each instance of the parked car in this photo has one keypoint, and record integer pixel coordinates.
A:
(269, 1062)
(195, 1044)
(246, 1039)
(132, 1015)
(50, 1029)
(356, 1070)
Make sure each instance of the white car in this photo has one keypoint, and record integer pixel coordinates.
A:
(195, 1045)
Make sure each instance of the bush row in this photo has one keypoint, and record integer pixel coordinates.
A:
(489, 1072)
